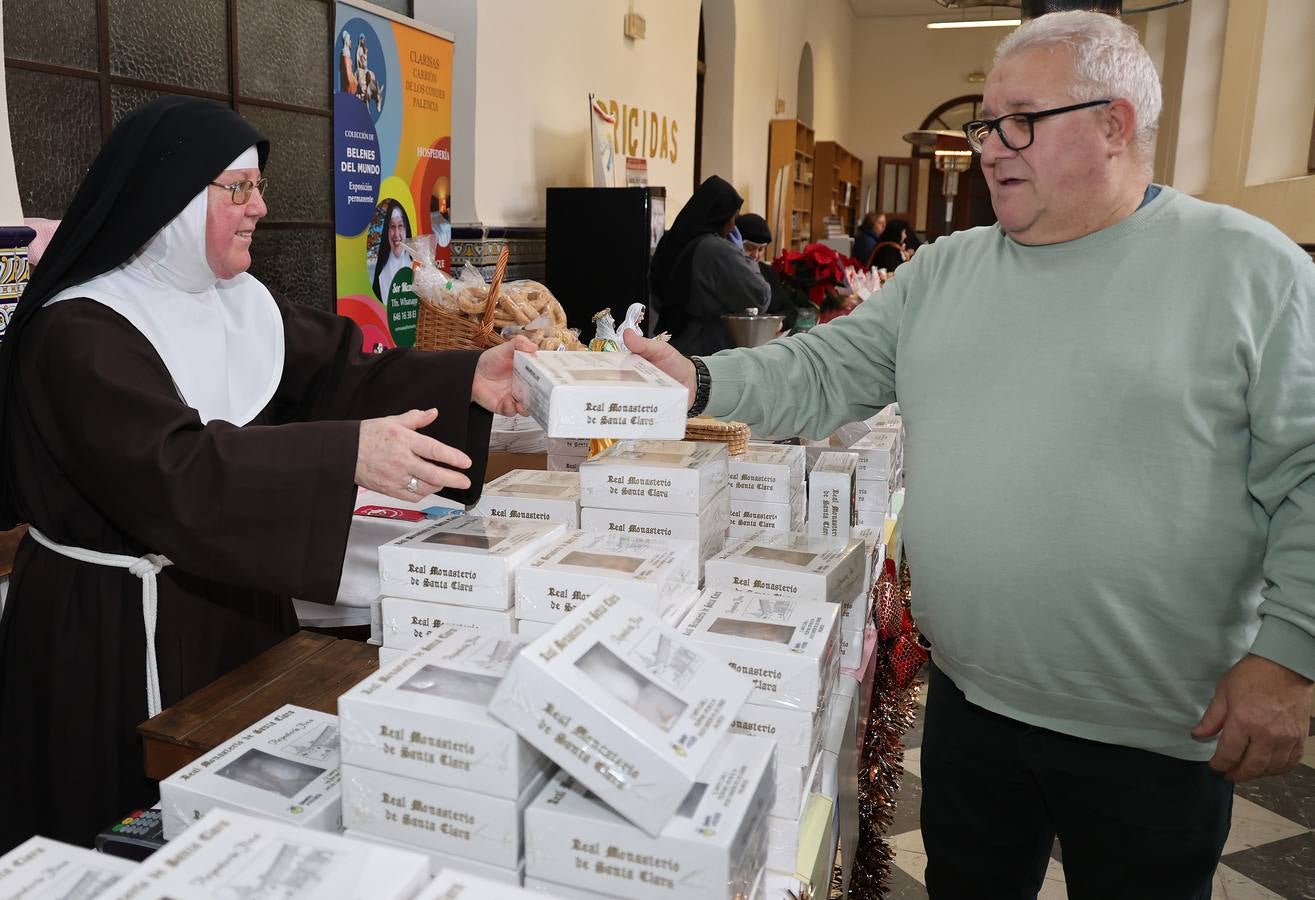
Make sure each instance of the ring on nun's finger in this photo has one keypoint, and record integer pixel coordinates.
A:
(413, 485)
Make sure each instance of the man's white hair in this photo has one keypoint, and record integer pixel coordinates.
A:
(1108, 61)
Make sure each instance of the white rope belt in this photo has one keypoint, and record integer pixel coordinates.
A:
(144, 567)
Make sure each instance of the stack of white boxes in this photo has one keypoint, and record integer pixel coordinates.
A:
(766, 489)
(657, 797)
(661, 574)
(831, 491)
(790, 649)
(665, 489)
(457, 572)
(425, 766)
(878, 455)
(284, 768)
(566, 454)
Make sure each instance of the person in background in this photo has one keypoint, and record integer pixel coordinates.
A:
(698, 275)
(185, 448)
(1109, 399)
(757, 236)
(892, 249)
(874, 223)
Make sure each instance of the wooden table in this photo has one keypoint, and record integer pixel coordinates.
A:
(307, 669)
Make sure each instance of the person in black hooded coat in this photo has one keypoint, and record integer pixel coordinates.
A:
(235, 493)
(698, 274)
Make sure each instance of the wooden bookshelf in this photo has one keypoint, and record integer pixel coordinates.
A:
(790, 147)
(836, 188)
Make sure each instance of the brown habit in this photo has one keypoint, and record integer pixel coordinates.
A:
(108, 457)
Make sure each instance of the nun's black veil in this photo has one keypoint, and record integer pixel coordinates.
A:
(156, 160)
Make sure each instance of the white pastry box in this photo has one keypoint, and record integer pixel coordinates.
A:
(600, 395)
(795, 783)
(878, 455)
(531, 495)
(707, 529)
(577, 447)
(387, 655)
(404, 623)
(42, 869)
(712, 847)
(565, 463)
(872, 496)
(788, 648)
(227, 855)
(649, 570)
(439, 862)
(426, 717)
(770, 473)
(798, 732)
(874, 550)
(623, 702)
(455, 884)
(753, 515)
(284, 767)
(655, 476)
(789, 564)
(462, 560)
(437, 817)
(831, 487)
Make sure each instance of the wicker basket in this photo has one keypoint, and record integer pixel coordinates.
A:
(441, 329)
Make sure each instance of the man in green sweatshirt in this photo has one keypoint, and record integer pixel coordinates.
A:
(1109, 400)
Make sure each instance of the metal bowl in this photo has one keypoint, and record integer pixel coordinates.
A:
(752, 331)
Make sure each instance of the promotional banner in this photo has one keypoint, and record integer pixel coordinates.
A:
(392, 142)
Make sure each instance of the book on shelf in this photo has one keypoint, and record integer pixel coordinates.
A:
(835, 228)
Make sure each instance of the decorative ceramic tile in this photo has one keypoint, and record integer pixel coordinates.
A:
(1231, 885)
(1291, 796)
(1253, 825)
(913, 761)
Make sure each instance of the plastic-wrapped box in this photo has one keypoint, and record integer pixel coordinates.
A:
(437, 817)
(655, 476)
(789, 564)
(439, 862)
(404, 623)
(42, 869)
(831, 495)
(755, 515)
(284, 767)
(600, 395)
(623, 702)
(462, 560)
(565, 463)
(788, 648)
(707, 528)
(878, 454)
(651, 570)
(426, 717)
(767, 473)
(794, 784)
(714, 846)
(872, 496)
(798, 732)
(531, 495)
(227, 854)
(577, 447)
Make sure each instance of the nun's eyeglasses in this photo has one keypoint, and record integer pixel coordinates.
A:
(241, 191)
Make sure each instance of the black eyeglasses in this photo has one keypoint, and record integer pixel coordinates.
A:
(241, 190)
(1016, 129)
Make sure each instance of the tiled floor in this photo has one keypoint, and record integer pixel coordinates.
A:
(1270, 853)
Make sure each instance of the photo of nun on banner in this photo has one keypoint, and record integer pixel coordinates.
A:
(388, 231)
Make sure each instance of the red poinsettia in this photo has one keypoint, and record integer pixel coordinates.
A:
(817, 271)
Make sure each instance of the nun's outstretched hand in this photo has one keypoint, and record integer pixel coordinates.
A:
(491, 388)
(393, 458)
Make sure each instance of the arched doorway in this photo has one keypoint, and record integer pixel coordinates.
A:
(972, 204)
(804, 88)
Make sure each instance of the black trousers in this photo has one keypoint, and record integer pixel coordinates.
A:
(996, 793)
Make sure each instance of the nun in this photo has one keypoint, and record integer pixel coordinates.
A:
(186, 449)
(698, 274)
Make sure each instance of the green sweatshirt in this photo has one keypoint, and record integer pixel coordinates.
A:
(1111, 444)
